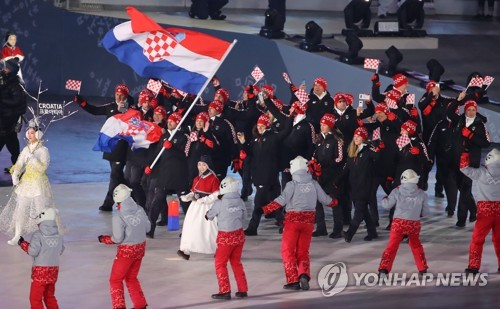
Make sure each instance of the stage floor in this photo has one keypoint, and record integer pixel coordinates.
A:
(170, 282)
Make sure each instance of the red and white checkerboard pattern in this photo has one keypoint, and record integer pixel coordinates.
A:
(371, 63)
(376, 134)
(257, 74)
(488, 80)
(402, 141)
(158, 46)
(392, 104)
(72, 84)
(476, 82)
(302, 95)
(154, 86)
(287, 78)
(410, 99)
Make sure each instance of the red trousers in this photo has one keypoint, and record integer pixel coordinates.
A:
(43, 287)
(126, 267)
(295, 248)
(399, 228)
(43, 291)
(229, 248)
(488, 218)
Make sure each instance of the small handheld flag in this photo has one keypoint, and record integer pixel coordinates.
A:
(371, 64)
(257, 74)
(302, 95)
(72, 84)
(154, 86)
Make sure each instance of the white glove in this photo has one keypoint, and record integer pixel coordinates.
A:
(188, 197)
(15, 179)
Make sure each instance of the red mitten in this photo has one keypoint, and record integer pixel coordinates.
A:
(389, 182)
(237, 165)
(380, 146)
(80, 100)
(414, 112)
(414, 150)
(360, 122)
(105, 239)
(209, 143)
(310, 166)
(243, 154)
(375, 80)
(428, 108)
(317, 170)
(391, 116)
(464, 159)
(269, 208)
(333, 203)
(24, 245)
(148, 170)
(293, 88)
(167, 144)
(467, 133)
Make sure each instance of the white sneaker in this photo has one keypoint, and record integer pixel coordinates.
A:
(12, 242)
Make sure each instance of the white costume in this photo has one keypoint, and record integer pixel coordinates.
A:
(198, 234)
(31, 192)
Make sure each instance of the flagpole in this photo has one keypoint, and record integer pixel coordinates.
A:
(195, 100)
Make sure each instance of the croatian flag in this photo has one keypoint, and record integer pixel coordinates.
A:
(183, 58)
(130, 127)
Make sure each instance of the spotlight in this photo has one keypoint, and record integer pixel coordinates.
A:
(312, 42)
(358, 11)
(273, 25)
(355, 45)
(395, 57)
(411, 11)
(435, 70)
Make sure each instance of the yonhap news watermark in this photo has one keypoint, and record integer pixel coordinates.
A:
(334, 278)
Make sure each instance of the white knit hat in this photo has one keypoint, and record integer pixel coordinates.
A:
(228, 185)
(409, 176)
(121, 193)
(297, 164)
(492, 156)
(48, 214)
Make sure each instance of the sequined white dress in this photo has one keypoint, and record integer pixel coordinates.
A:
(31, 195)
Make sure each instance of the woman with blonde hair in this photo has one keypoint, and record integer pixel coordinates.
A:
(359, 170)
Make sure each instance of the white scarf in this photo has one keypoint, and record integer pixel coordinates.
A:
(298, 118)
(339, 111)
(469, 121)
(321, 96)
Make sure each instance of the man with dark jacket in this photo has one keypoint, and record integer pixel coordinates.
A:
(320, 102)
(117, 157)
(170, 174)
(225, 134)
(469, 135)
(348, 118)
(263, 151)
(12, 107)
(433, 107)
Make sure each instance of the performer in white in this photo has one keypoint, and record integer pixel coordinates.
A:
(198, 234)
(31, 193)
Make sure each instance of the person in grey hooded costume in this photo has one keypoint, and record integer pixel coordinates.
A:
(488, 206)
(299, 198)
(130, 225)
(230, 211)
(45, 246)
(411, 204)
